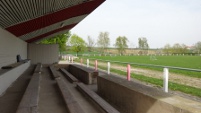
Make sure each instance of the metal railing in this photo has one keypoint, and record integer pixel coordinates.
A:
(165, 69)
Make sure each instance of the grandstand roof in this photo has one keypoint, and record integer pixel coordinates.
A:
(33, 20)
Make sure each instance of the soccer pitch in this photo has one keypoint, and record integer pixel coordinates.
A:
(193, 62)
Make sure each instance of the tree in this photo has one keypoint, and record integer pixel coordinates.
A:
(60, 39)
(198, 47)
(179, 48)
(77, 44)
(103, 40)
(143, 44)
(167, 49)
(90, 43)
(121, 44)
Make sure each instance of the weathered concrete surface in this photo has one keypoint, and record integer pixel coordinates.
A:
(13, 95)
(50, 99)
(10, 75)
(86, 75)
(130, 97)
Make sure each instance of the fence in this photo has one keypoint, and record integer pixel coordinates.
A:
(165, 69)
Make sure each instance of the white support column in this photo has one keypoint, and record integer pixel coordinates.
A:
(108, 68)
(165, 79)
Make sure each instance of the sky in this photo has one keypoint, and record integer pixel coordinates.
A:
(160, 21)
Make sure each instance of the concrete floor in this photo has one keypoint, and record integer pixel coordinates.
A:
(50, 99)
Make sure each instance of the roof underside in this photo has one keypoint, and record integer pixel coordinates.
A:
(33, 20)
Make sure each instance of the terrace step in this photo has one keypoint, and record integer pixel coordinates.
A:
(107, 108)
(29, 102)
(71, 104)
(69, 76)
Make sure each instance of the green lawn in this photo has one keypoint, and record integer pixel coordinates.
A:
(176, 61)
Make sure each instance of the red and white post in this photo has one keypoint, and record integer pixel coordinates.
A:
(96, 65)
(81, 61)
(128, 72)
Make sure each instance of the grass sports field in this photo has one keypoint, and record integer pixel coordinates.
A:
(193, 62)
(177, 61)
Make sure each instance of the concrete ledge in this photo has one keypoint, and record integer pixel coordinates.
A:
(38, 68)
(53, 71)
(29, 102)
(130, 97)
(8, 76)
(85, 75)
(107, 108)
(71, 104)
(69, 76)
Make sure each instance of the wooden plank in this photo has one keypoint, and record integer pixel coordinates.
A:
(69, 76)
(71, 103)
(97, 99)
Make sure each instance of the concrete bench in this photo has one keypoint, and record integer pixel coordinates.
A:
(107, 108)
(71, 104)
(38, 68)
(54, 72)
(69, 76)
(85, 75)
(29, 102)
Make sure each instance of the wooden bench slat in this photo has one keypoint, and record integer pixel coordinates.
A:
(97, 99)
(69, 76)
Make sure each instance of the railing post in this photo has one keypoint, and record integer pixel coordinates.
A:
(87, 62)
(69, 59)
(165, 79)
(108, 68)
(72, 59)
(81, 61)
(128, 72)
(96, 65)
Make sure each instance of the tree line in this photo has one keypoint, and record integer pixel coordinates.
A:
(77, 44)
(182, 49)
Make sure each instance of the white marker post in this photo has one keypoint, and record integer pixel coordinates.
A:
(165, 79)
(72, 59)
(87, 62)
(108, 68)
(69, 59)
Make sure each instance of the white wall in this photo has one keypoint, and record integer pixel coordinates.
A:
(8, 77)
(10, 47)
(45, 54)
